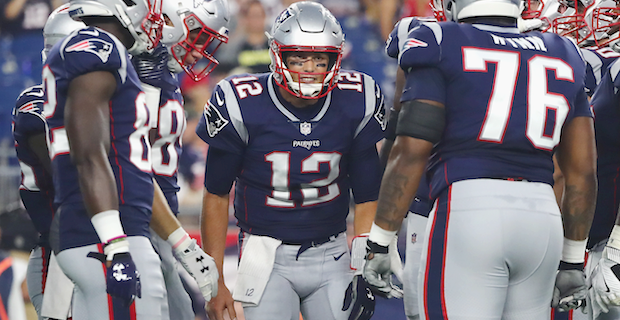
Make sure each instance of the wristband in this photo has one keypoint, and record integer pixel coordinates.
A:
(574, 251)
(108, 225)
(614, 238)
(380, 236)
(118, 245)
(178, 237)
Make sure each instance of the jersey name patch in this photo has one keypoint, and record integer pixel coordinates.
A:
(100, 48)
(215, 121)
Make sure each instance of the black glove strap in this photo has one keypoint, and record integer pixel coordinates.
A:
(373, 247)
(570, 266)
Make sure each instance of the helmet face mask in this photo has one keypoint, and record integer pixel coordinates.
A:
(572, 21)
(605, 23)
(316, 31)
(195, 27)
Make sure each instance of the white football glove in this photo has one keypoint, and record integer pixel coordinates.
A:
(605, 280)
(358, 256)
(199, 265)
(570, 289)
(377, 271)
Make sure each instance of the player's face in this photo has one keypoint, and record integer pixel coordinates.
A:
(195, 54)
(309, 66)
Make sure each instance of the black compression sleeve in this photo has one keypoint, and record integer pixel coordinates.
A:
(421, 120)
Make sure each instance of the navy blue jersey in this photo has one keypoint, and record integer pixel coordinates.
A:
(605, 104)
(88, 50)
(36, 188)
(294, 180)
(507, 96)
(169, 120)
(597, 62)
(421, 203)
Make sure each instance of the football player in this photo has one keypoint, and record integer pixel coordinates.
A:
(502, 103)
(417, 215)
(36, 189)
(98, 144)
(295, 142)
(192, 29)
(602, 242)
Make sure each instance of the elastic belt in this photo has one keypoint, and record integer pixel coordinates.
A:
(309, 244)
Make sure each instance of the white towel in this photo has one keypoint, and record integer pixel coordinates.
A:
(58, 292)
(257, 259)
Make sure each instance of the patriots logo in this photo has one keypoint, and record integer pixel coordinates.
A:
(380, 115)
(30, 107)
(412, 43)
(101, 48)
(215, 121)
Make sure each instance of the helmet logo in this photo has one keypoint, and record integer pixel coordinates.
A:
(283, 16)
(305, 128)
(98, 47)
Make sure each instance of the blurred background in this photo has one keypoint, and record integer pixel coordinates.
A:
(366, 24)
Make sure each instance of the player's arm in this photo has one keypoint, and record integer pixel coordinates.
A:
(576, 158)
(222, 168)
(87, 121)
(193, 259)
(38, 145)
(390, 131)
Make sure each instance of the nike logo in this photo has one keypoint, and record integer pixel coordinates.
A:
(338, 257)
(220, 102)
(35, 93)
(94, 33)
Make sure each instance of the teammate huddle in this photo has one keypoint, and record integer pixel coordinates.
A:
(483, 111)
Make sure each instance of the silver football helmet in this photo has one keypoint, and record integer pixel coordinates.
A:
(58, 25)
(456, 10)
(141, 18)
(194, 25)
(306, 27)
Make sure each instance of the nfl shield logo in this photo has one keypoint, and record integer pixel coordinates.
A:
(305, 128)
(414, 238)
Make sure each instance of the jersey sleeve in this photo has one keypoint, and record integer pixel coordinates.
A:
(372, 126)
(90, 50)
(221, 125)
(424, 83)
(398, 35)
(582, 105)
(422, 47)
(28, 113)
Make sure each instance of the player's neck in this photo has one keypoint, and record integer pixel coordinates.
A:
(295, 101)
(113, 27)
(497, 21)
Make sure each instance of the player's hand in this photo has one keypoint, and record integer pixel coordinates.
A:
(360, 296)
(199, 265)
(122, 278)
(221, 302)
(526, 25)
(605, 277)
(570, 287)
(377, 271)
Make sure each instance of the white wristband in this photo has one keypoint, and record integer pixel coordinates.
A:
(574, 250)
(380, 236)
(177, 237)
(108, 225)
